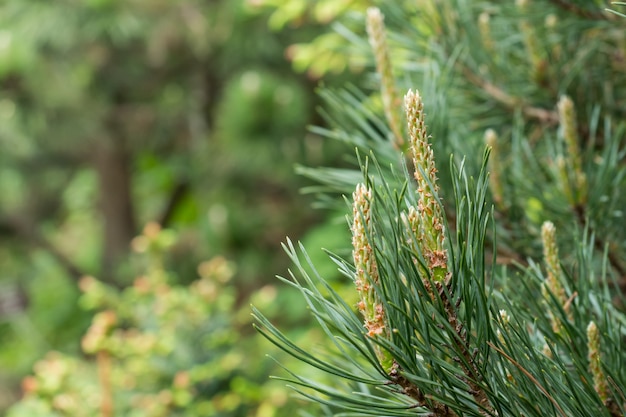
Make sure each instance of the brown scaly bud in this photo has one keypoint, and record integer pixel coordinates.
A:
(367, 277)
(495, 168)
(538, 64)
(363, 252)
(595, 362)
(391, 99)
(553, 266)
(485, 31)
(569, 131)
(563, 176)
(427, 222)
(551, 24)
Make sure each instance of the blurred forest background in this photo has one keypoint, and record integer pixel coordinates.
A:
(149, 161)
(151, 144)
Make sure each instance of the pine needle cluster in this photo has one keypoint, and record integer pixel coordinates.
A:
(492, 287)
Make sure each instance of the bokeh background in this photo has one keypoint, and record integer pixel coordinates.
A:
(147, 153)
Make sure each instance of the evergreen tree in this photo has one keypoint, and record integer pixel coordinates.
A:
(116, 114)
(485, 282)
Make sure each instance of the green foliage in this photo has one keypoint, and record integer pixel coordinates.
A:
(115, 114)
(145, 81)
(161, 95)
(490, 330)
(260, 113)
(326, 52)
(475, 74)
(53, 319)
(157, 348)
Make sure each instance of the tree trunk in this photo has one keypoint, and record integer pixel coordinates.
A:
(112, 164)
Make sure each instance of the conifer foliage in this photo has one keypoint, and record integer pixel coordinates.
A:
(487, 283)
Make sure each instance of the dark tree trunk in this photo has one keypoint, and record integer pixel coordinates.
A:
(113, 167)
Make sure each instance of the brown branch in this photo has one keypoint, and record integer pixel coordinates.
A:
(579, 11)
(104, 376)
(549, 117)
(611, 403)
(409, 389)
(468, 366)
(460, 341)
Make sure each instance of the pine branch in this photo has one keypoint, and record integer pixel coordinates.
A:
(468, 363)
(409, 389)
(579, 11)
(549, 117)
(436, 311)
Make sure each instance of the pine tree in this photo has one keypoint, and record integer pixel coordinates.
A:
(489, 278)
